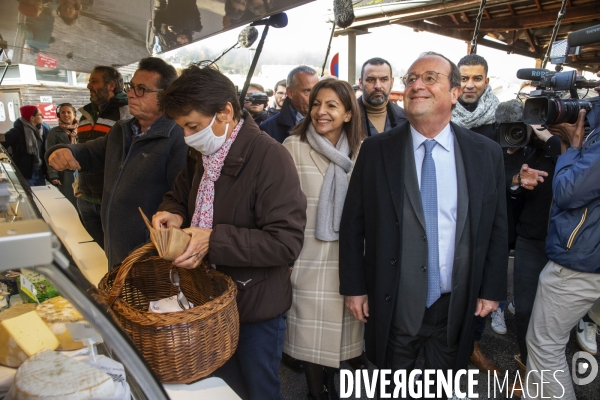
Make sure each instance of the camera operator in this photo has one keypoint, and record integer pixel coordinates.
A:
(529, 173)
(569, 284)
(255, 108)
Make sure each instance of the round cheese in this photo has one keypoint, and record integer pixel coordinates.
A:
(53, 376)
(55, 312)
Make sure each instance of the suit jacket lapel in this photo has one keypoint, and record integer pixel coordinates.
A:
(463, 192)
(392, 149)
(473, 161)
(410, 180)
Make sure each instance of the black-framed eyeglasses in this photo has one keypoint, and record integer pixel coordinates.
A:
(428, 78)
(181, 300)
(139, 90)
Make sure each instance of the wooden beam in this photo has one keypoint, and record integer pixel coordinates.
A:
(517, 48)
(531, 40)
(436, 9)
(487, 14)
(544, 19)
(539, 6)
(465, 18)
(510, 9)
(456, 21)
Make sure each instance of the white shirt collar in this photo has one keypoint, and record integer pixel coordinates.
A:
(444, 138)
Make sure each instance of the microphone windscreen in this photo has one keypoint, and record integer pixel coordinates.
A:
(509, 111)
(278, 20)
(343, 13)
(584, 36)
(248, 36)
(532, 74)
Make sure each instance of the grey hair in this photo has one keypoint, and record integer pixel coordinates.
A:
(454, 71)
(302, 69)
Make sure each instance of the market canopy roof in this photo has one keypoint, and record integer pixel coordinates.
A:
(516, 26)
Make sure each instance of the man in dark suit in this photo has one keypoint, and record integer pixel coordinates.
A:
(295, 107)
(418, 275)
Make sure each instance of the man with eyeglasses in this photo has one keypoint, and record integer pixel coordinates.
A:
(295, 107)
(423, 242)
(108, 104)
(376, 81)
(140, 156)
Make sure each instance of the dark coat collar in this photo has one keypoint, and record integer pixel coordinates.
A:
(240, 149)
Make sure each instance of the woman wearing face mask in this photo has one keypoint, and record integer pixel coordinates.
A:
(64, 133)
(240, 200)
(324, 146)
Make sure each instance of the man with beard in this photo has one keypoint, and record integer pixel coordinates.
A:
(376, 82)
(140, 158)
(108, 105)
(476, 107)
(279, 96)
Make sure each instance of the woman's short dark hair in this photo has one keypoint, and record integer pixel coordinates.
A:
(353, 128)
(204, 90)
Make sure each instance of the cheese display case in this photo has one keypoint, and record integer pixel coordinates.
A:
(57, 336)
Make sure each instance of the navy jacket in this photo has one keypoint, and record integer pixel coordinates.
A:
(280, 125)
(574, 233)
(137, 173)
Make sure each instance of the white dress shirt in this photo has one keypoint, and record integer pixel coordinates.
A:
(447, 192)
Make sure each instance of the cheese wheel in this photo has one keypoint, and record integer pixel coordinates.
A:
(53, 376)
(55, 312)
(15, 344)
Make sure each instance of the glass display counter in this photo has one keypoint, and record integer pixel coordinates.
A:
(40, 233)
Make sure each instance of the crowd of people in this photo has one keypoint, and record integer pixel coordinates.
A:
(353, 228)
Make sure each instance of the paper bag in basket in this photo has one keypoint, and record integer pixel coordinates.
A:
(170, 243)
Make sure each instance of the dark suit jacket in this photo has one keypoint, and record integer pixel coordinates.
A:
(371, 234)
(280, 125)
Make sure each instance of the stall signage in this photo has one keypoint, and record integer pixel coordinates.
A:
(83, 331)
(46, 99)
(28, 288)
(48, 112)
(46, 61)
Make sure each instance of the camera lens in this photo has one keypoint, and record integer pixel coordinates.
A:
(515, 135)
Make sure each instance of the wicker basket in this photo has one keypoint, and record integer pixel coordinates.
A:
(184, 346)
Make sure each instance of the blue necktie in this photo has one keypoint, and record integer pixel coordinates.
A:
(430, 209)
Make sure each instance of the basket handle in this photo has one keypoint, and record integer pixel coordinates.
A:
(119, 282)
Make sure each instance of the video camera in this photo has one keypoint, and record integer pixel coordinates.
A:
(545, 106)
(257, 98)
(511, 131)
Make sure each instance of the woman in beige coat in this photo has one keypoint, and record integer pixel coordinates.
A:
(324, 146)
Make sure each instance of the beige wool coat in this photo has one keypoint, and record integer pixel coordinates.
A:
(319, 328)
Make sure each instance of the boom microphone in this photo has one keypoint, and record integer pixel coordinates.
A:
(343, 13)
(584, 36)
(248, 36)
(532, 74)
(276, 21)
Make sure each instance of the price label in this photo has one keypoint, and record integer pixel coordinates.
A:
(28, 288)
(82, 331)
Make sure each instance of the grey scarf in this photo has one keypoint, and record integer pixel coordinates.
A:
(335, 183)
(484, 114)
(32, 135)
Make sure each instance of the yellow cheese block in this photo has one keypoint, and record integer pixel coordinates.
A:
(23, 336)
(9, 354)
(56, 312)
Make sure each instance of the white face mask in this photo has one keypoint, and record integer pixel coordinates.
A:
(205, 140)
